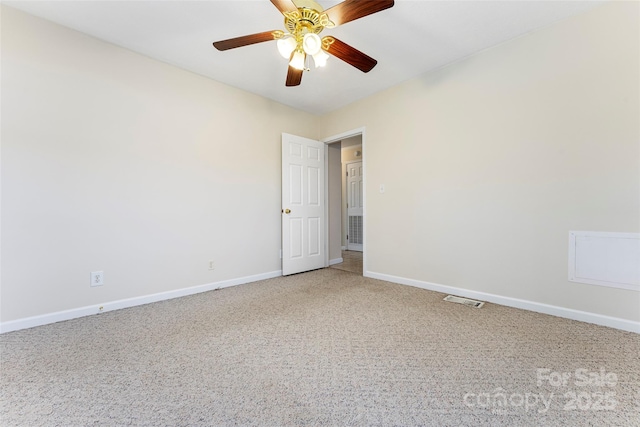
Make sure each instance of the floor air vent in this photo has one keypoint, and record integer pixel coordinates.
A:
(466, 301)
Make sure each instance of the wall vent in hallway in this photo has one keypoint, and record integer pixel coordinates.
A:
(355, 229)
(465, 301)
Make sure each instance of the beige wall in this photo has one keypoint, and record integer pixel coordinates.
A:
(112, 161)
(349, 148)
(335, 201)
(489, 162)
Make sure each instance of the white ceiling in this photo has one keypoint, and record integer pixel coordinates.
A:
(409, 39)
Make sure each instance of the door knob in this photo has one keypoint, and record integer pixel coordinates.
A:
(287, 211)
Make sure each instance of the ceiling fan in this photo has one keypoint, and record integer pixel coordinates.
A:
(304, 20)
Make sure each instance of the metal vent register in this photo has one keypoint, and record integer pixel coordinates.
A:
(355, 229)
(466, 301)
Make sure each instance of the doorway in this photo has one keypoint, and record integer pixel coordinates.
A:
(302, 243)
(346, 202)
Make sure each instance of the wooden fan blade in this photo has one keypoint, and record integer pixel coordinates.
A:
(244, 40)
(294, 76)
(350, 10)
(284, 5)
(349, 54)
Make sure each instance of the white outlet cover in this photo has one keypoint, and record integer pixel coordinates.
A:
(97, 278)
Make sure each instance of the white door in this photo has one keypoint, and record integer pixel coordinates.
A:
(302, 204)
(354, 206)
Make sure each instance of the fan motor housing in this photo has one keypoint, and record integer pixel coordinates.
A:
(309, 19)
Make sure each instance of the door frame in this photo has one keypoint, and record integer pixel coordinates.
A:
(329, 140)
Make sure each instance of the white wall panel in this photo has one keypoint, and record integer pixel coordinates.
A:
(606, 259)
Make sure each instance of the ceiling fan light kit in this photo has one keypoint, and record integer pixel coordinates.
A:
(311, 43)
(286, 45)
(297, 60)
(304, 20)
(320, 59)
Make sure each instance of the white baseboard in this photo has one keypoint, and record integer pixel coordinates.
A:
(335, 261)
(568, 313)
(45, 319)
(583, 316)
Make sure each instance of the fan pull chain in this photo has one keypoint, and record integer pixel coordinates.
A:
(306, 63)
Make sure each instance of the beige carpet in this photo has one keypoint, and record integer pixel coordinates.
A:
(325, 348)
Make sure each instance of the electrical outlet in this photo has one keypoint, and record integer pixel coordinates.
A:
(97, 278)
(212, 265)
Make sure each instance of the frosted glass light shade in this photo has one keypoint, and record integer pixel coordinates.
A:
(320, 59)
(297, 61)
(311, 43)
(286, 45)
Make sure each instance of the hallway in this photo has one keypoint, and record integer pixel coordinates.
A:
(352, 262)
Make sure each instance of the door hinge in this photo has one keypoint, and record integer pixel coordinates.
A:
(347, 173)
(347, 237)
